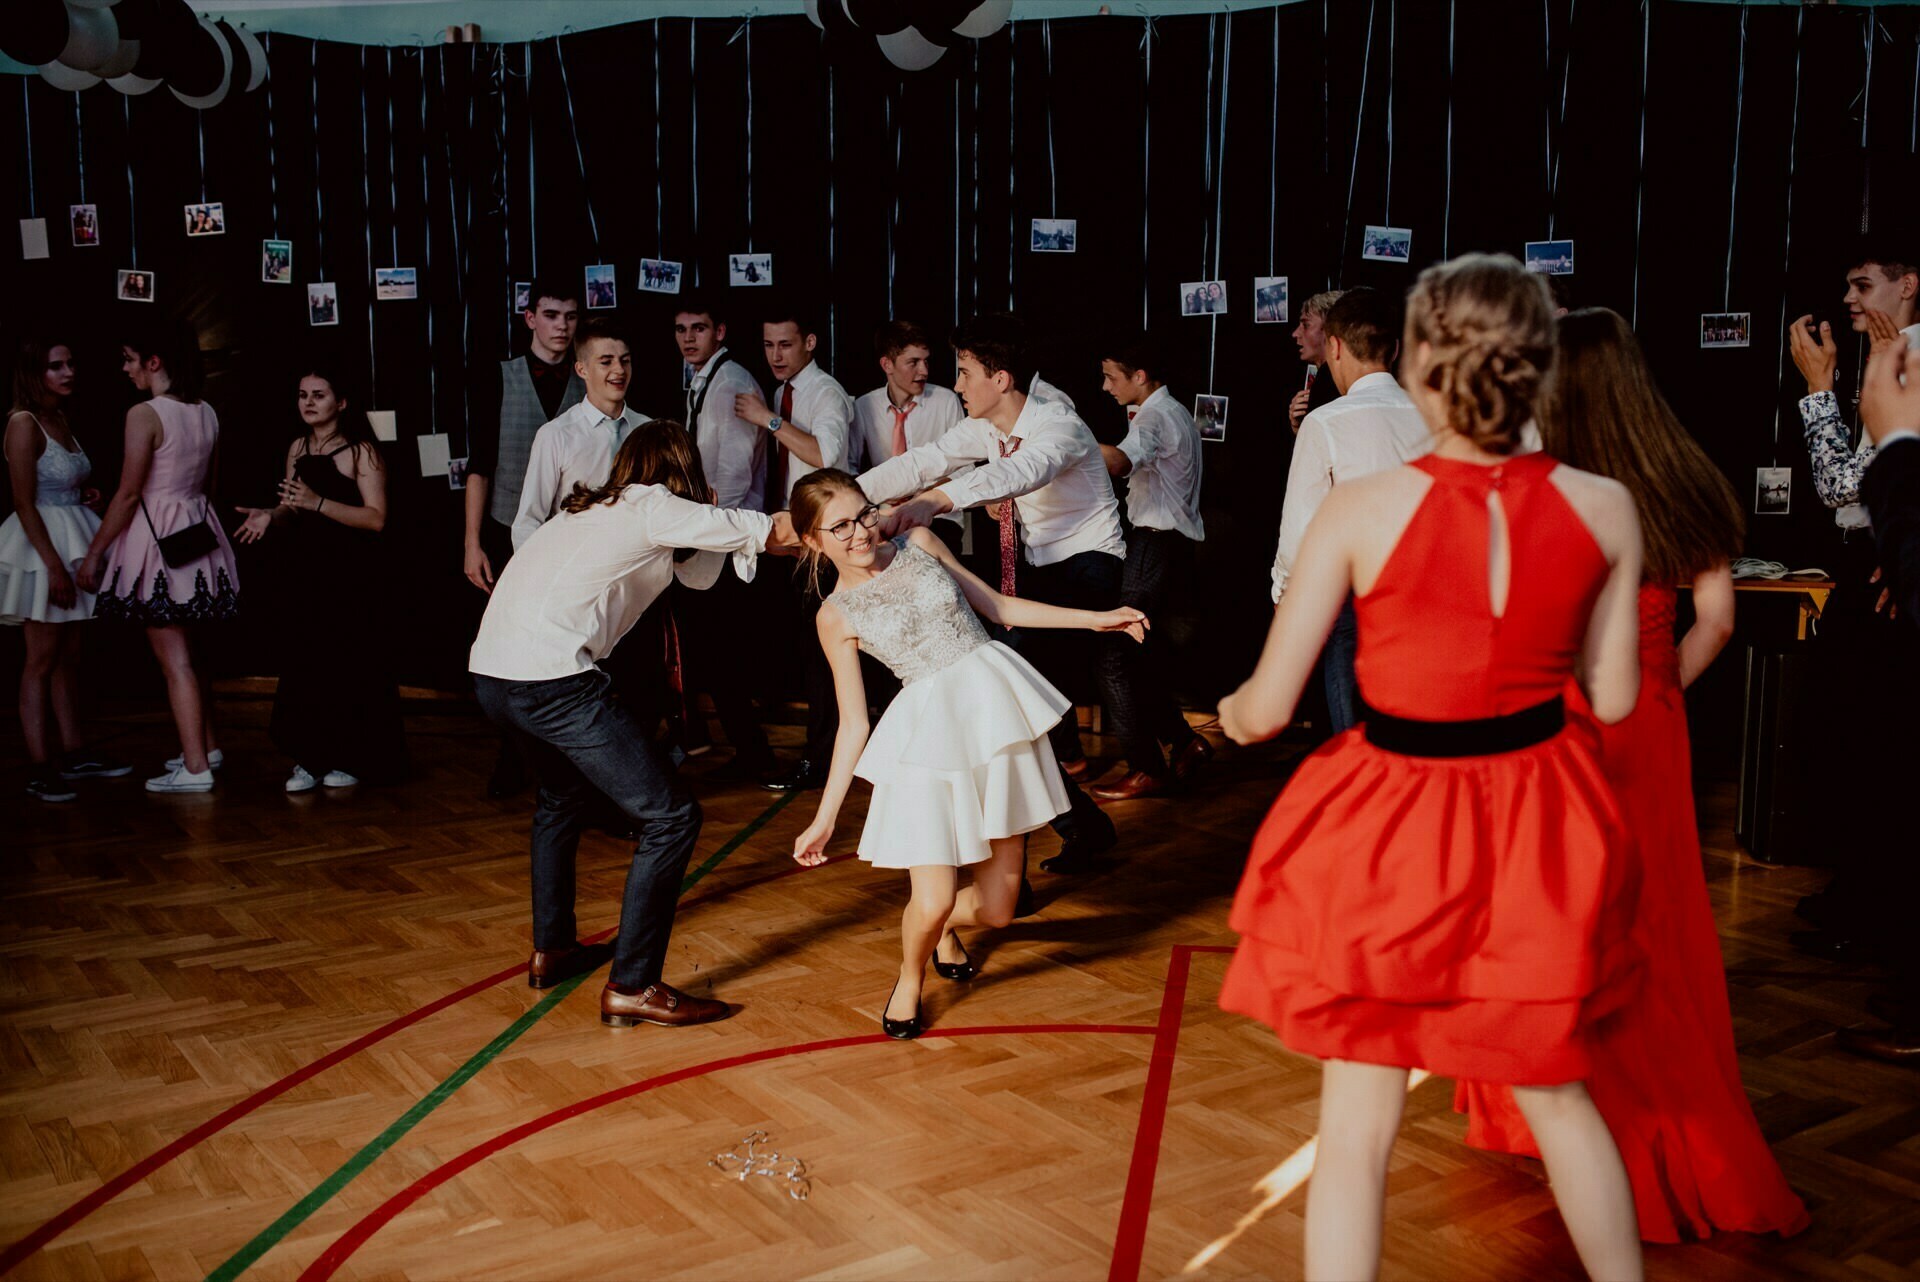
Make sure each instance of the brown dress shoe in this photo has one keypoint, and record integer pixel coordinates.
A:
(1193, 754)
(1900, 1046)
(657, 1004)
(1137, 784)
(1076, 769)
(550, 966)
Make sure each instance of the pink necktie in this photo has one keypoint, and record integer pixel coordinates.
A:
(1009, 537)
(900, 427)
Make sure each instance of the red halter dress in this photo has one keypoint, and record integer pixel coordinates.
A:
(1463, 914)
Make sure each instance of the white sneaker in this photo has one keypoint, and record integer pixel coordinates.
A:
(215, 760)
(300, 780)
(182, 779)
(340, 779)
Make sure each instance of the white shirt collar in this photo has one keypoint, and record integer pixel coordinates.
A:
(711, 360)
(1158, 394)
(1373, 382)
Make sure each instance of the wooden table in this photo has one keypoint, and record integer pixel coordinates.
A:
(1813, 594)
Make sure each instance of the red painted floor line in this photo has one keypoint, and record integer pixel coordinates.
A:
(1130, 1237)
(354, 1238)
(140, 1170)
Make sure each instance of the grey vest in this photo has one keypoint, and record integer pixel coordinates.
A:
(520, 418)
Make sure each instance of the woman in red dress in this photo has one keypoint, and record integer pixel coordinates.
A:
(1665, 1075)
(1445, 886)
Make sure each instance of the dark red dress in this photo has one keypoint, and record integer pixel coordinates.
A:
(1665, 1075)
(1466, 915)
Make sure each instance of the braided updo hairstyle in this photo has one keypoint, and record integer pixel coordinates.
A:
(1489, 324)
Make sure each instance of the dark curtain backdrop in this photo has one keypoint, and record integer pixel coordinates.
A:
(1177, 143)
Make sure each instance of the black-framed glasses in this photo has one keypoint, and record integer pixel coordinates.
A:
(868, 517)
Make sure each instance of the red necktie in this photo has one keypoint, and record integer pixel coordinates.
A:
(900, 426)
(1009, 536)
(777, 460)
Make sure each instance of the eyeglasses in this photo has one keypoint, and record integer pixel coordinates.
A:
(843, 530)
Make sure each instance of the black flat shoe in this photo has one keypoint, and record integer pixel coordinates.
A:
(960, 971)
(904, 1030)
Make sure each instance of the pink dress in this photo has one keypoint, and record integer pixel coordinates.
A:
(137, 584)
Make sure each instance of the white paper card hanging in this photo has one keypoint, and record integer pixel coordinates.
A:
(385, 426)
(434, 454)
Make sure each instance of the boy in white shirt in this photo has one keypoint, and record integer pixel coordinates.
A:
(578, 447)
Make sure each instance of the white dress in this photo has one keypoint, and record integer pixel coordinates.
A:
(961, 756)
(58, 476)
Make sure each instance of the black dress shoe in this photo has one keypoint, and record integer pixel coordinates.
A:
(1079, 853)
(1830, 945)
(1024, 905)
(803, 776)
(749, 770)
(960, 971)
(1818, 908)
(904, 1030)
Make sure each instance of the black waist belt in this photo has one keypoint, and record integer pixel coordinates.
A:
(1483, 738)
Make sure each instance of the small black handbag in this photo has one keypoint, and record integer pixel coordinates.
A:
(186, 545)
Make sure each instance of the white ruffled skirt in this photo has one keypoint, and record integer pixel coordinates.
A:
(23, 575)
(959, 759)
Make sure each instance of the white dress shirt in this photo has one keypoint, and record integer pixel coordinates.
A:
(1372, 428)
(823, 410)
(576, 448)
(1163, 488)
(1040, 387)
(936, 410)
(1055, 476)
(585, 578)
(733, 452)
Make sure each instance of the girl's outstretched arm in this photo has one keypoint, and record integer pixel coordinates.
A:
(850, 689)
(1018, 612)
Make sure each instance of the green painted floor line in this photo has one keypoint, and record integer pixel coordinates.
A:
(349, 1170)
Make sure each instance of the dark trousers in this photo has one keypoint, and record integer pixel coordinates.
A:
(496, 540)
(1336, 670)
(579, 741)
(1159, 562)
(1084, 581)
(823, 706)
(721, 646)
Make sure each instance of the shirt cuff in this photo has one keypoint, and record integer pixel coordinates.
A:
(958, 492)
(1902, 434)
(1813, 403)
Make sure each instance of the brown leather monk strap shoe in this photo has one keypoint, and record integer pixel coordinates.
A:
(1137, 784)
(550, 966)
(657, 1004)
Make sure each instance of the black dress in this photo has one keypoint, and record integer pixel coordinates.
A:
(338, 707)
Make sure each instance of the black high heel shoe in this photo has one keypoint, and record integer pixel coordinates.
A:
(960, 971)
(904, 1030)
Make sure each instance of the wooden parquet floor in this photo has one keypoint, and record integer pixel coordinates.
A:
(286, 1037)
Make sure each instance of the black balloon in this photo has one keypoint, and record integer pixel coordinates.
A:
(201, 63)
(34, 31)
(936, 19)
(875, 17)
(171, 30)
(136, 18)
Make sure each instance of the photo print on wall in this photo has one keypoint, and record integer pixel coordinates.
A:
(1269, 300)
(750, 269)
(602, 291)
(1387, 244)
(1055, 236)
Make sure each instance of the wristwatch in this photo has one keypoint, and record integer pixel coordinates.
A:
(775, 423)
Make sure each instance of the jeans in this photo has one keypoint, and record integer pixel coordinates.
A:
(1158, 561)
(1343, 687)
(579, 741)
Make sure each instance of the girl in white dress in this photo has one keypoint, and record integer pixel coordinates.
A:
(41, 543)
(960, 764)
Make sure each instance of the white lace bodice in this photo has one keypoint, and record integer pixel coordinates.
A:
(912, 616)
(60, 472)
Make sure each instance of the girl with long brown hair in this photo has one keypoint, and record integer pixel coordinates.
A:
(1665, 1072)
(1445, 886)
(960, 763)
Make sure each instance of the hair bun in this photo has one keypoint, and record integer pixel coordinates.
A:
(1488, 324)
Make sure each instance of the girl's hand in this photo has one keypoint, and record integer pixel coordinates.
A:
(60, 593)
(1126, 619)
(94, 499)
(88, 576)
(254, 528)
(1232, 725)
(295, 493)
(810, 847)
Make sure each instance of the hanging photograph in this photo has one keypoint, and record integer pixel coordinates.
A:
(86, 223)
(1772, 488)
(456, 474)
(1203, 298)
(658, 276)
(1725, 329)
(602, 292)
(1269, 300)
(276, 262)
(522, 295)
(136, 286)
(395, 282)
(1210, 416)
(1055, 235)
(1387, 245)
(206, 220)
(1550, 257)
(323, 303)
(33, 238)
(750, 269)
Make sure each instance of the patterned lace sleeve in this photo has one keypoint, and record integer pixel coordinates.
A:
(1837, 467)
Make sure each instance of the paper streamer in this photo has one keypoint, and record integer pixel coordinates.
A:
(533, 181)
(833, 229)
(426, 262)
(1273, 144)
(273, 162)
(80, 146)
(1393, 31)
(1359, 124)
(579, 156)
(200, 130)
(393, 171)
(747, 27)
(693, 116)
(366, 202)
(659, 175)
(1326, 133)
(26, 111)
(1640, 177)
(1786, 261)
(1013, 100)
(956, 201)
(973, 294)
(1556, 154)
(1148, 35)
(503, 193)
(133, 212)
(1733, 197)
(1220, 186)
(1053, 195)
(1446, 216)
